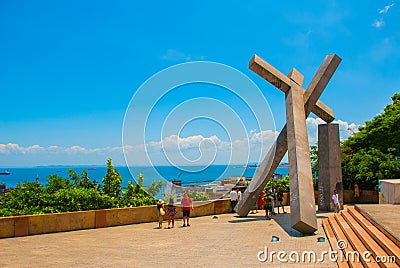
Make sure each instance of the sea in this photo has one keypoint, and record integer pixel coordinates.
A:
(189, 175)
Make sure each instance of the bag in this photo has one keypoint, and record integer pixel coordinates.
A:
(162, 212)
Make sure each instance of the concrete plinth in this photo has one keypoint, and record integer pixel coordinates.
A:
(329, 166)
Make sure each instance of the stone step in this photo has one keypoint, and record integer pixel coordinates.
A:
(333, 241)
(357, 244)
(365, 238)
(377, 225)
(387, 244)
(340, 236)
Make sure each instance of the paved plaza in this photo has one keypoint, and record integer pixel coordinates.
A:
(227, 241)
(386, 214)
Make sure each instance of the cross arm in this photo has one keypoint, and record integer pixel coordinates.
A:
(283, 83)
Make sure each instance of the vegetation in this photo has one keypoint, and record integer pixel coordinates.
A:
(112, 181)
(153, 188)
(283, 183)
(374, 152)
(135, 196)
(75, 193)
(314, 160)
(196, 196)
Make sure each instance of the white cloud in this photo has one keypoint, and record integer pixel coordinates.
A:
(175, 55)
(196, 149)
(16, 149)
(200, 150)
(174, 142)
(345, 129)
(378, 23)
(385, 9)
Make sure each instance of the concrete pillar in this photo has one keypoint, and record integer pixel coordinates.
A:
(329, 166)
(302, 203)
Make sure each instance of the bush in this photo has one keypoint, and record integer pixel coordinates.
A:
(78, 199)
(112, 181)
(135, 196)
(283, 183)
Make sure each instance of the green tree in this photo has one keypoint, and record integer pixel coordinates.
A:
(74, 177)
(55, 183)
(314, 160)
(112, 181)
(283, 183)
(140, 180)
(134, 195)
(86, 183)
(153, 189)
(374, 152)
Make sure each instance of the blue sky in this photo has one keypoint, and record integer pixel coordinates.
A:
(68, 69)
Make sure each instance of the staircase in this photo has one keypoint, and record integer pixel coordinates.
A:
(352, 231)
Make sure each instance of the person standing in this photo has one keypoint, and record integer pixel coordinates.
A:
(356, 191)
(171, 212)
(239, 193)
(273, 194)
(336, 201)
(234, 199)
(160, 213)
(187, 204)
(268, 205)
(261, 200)
(280, 200)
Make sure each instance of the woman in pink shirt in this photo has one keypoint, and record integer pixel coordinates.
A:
(187, 204)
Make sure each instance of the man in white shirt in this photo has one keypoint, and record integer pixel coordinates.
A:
(234, 199)
(336, 201)
(239, 193)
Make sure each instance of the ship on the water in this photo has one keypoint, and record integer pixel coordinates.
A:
(5, 172)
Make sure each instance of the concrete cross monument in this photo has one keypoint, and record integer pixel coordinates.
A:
(293, 138)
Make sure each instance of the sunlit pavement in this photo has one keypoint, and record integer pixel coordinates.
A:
(210, 242)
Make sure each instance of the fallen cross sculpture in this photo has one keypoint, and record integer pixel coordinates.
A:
(294, 139)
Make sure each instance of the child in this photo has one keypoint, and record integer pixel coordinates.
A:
(160, 213)
(268, 205)
(171, 212)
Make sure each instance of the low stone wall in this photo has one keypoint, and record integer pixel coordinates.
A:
(71, 221)
(366, 197)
